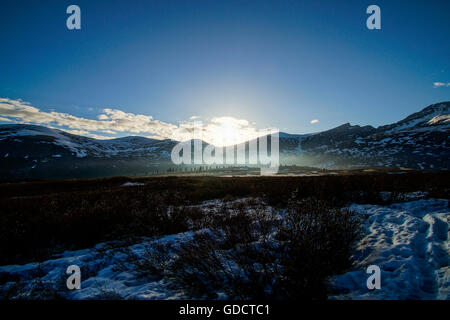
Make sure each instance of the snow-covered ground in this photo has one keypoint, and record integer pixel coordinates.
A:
(132, 184)
(408, 241)
(105, 274)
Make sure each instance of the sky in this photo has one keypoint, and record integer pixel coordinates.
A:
(240, 67)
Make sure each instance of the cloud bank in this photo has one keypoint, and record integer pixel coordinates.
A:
(112, 123)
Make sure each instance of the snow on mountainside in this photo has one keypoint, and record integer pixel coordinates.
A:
(420, 141)
(80, 146)
(433, 118)
(29, 151)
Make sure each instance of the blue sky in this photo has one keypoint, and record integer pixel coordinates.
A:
(274, 63)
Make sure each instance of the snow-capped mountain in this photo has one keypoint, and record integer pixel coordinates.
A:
(36, 151)
(70, 145)
(420, 141)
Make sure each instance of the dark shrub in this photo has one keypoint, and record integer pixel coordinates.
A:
(317, 243)
(253, 254)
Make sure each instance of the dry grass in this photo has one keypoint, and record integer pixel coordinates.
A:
(251, 253)
(42, 217)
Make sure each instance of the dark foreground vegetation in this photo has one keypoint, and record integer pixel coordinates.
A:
(39, 218)
(248, 252)
(244, 252)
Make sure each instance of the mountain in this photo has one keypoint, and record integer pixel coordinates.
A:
(40, 152)
(420, 141)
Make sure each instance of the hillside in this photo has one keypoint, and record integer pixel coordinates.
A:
(420, 141)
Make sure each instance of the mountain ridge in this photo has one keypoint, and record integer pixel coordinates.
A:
(419, 141)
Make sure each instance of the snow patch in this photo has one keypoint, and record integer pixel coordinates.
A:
(409, 242)
(130, 184)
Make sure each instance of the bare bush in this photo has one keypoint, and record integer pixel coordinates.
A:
(316, 240)
(251, 253)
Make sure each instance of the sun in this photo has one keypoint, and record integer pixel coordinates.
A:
(227, 131)
(226, 135)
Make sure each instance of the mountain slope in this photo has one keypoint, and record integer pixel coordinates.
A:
(420, 141)
(35, 151)
(79, 146)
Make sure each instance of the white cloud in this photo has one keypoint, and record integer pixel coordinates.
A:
(114, 122)
(111, 121)
(440, 84)
(224, 131)
(230, 121)
(314, 121)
